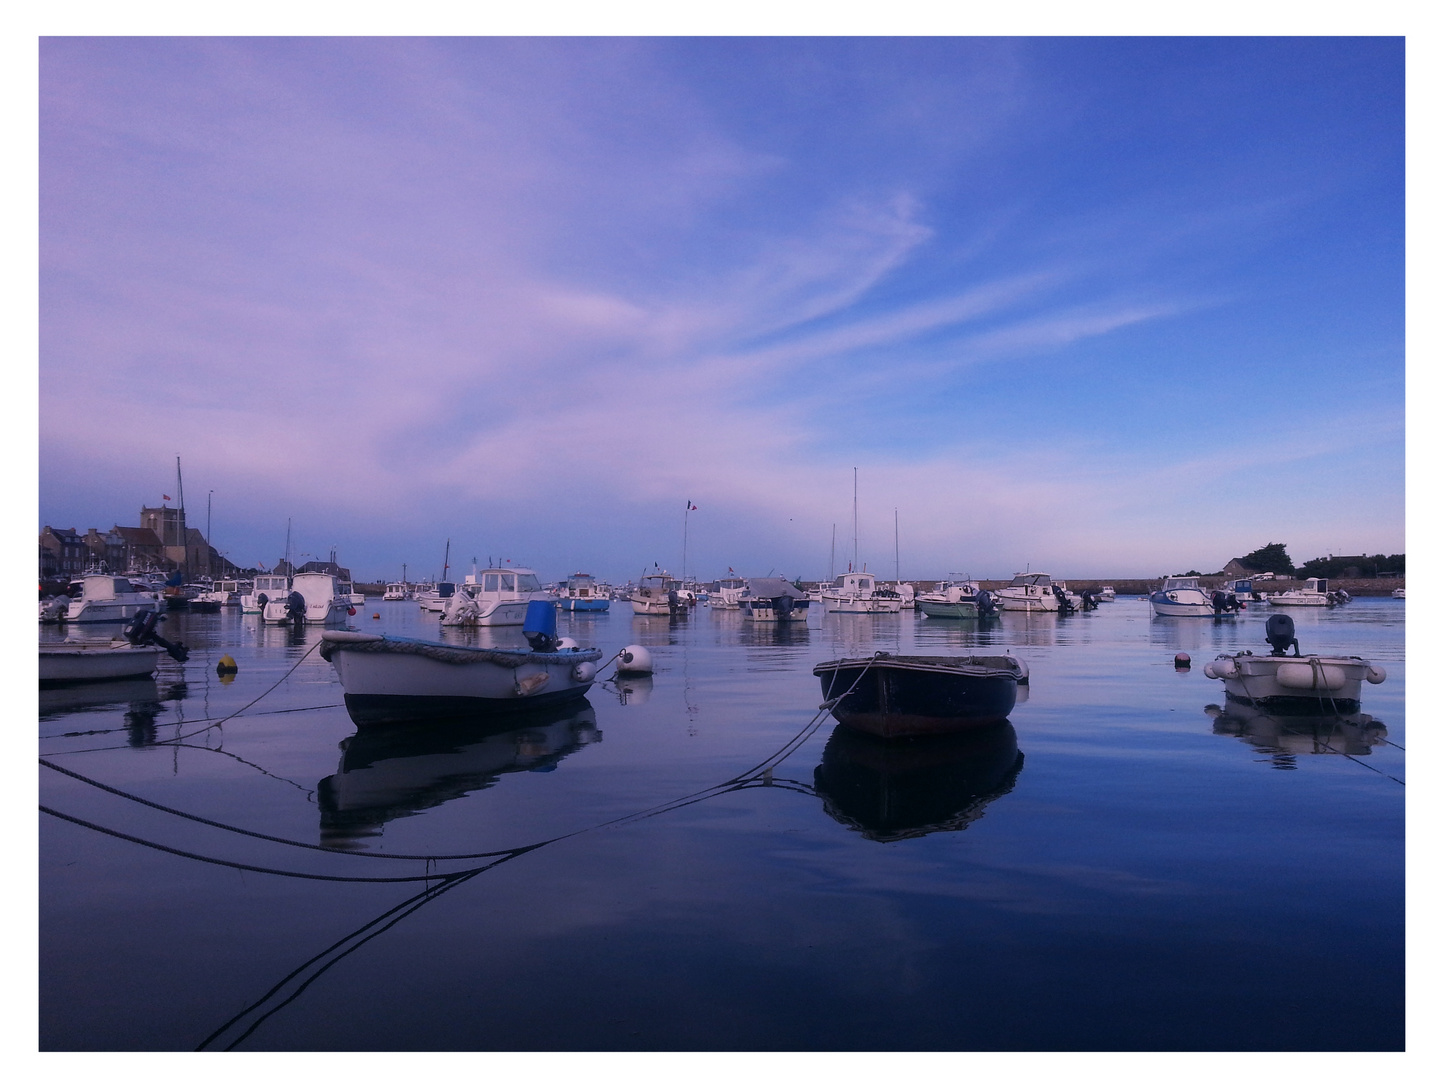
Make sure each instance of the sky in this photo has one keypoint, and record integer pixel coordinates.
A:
(1113, 307)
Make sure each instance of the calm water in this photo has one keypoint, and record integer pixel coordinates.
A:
(1127, 865)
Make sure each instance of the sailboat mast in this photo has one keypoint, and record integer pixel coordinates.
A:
(897, 547)
(288, 568)
(445, 571)
(855, 520)
(832, 551)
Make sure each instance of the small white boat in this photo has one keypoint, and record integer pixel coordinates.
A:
(389, 678)
(1031, 592)
(397, 590)
(1314, 593)
(1185, 596)
(582, 593)
(314, 598)
(1286, 684)
(437, 596)
(1398, 594)
(856, 594)
(109, 598)
(1106, 594)
(658, 594)
(727, 593)
(494, 598)
(774, 600)
(267, 587)
(957, 600)
(90, 661)
(357, 598)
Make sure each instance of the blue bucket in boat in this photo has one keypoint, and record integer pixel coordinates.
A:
(540, 625)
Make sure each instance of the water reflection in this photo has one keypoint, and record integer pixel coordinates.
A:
(633, 689)
(1285, 738)
(893, 790)
(390, 773)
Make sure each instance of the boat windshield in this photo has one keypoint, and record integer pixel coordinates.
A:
(1182, 583)
(528, 583)
(1030, 579)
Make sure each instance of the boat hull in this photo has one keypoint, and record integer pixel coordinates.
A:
(898, 696)
(388, 679)
(108, 611)
(1192, 611)
(949, 609)
(860, 605)
(79, 662)
(1295, 684)
(584, 603)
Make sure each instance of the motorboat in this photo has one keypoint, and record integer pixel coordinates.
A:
(131, 656)
(397, 590)
(856, 594)
(726, 594)
(314, 598)
(896, 696)
(1106, 595)
(267, 587)
(1186, 596)
(388, 679)
(957, 600)
(1243, 589)
(1032, 592)
(1314, 593)
(774, 600)
(106, 598)
(1277, 683)
(658, 594)
(582, 593)
(494, 598)
(225, 593)
(1398, 594)
(436, 596)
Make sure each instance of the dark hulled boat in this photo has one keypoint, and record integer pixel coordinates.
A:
(895, 696)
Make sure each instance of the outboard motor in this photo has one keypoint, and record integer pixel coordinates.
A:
(539, 628)
(1280, 634)
(1217, 601)
(674, 599)
(1067, 607)
(1088, 602)
(985, 602)
(295, 608)
(783, 605)
(141, 631)
(262, 600)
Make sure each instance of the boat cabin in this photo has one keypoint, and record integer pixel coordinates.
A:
(273, 585)
(855, 584)
(581, 585)
(515, 582)
(1026, 580)
(101, 587)
(1173, 583)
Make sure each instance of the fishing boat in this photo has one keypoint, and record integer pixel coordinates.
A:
(108, 598)
(1106, 594)
(1314, 593)
(393, 678)
(314, 598)
(726, 593)
(581, 593)
(436, 596)
(856, 594)
(895, 696)
(267, 587)
(1185, 596)
(494, 598)
(1277, 683)
(658, 594)
(957, 600)
(1032, 592)
(774, 600)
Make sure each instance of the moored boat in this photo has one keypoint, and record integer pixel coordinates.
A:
(774, 600)
(1277, 683)
(855, 593)
(1185, 596)
(582, 593)
(1314, 593)
(957, 600)
(494, 597)
(108, 598)
(436, 596)
(314, 598)
(893, 696)
(1032, 592)
(658, 594)
(392, 678)
(267, 587)
(92, 661)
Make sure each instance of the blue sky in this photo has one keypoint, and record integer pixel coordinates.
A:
(1096, 306)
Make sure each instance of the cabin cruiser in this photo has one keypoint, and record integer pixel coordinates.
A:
(397, 590)
(314, 597)
(1315, 593)
(582, 593)
(727, 593)
(1398, 594)
(1243, 589)
(437, 596)
(957, 600)
(107, 598)
(494, 598)
(1032, 592)
(1107, 594)
(224, 593)
(267, 587)
(855, 594)
(774, 600)
(1186, 596)
(658, 594)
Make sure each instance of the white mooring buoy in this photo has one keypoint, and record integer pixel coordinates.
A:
(634, 660)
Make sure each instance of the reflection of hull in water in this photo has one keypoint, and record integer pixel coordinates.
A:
(892, 790)
(84, 697)
(387, 773)
(1289, 736)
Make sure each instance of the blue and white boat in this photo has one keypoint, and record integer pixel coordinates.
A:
(1185, 596)
(581, 592)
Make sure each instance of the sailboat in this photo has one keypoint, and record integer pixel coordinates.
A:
(855, 592)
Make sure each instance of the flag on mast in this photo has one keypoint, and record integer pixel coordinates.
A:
(690, 506)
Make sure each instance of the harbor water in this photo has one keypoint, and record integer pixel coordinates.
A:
(1130, 863)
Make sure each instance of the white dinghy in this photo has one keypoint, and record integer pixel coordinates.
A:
(390, 679)
(1293, 684)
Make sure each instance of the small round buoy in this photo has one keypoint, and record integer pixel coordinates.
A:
(1182, 661)
(567, 643)
(634, 660)
(352, 611)
(376, 615)
(226, 666)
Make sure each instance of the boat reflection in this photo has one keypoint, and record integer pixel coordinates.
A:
(392, 772)
(1285, 738)
(894, 790)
